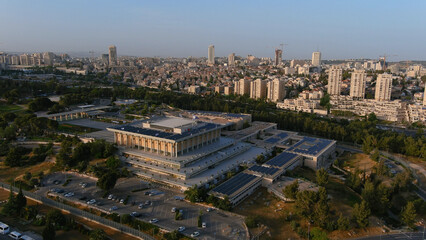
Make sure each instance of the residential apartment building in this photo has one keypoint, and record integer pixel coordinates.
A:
(334, 80)
(357, 89)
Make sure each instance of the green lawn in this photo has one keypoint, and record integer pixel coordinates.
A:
(4, 108)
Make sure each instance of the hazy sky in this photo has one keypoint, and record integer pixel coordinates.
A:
(338, 28)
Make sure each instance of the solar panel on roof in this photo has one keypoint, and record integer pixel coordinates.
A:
(281, 159)
(310, 146)
(235, 183)
(264, 170)
(272, 140)
(282, 135)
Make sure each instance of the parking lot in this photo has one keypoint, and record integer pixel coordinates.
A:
(219, 224)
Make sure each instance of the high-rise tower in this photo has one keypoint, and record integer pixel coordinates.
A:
(316, 59)
(334, 80)
(210, 57)
(383, 87)
(357, 89)
(112, 55)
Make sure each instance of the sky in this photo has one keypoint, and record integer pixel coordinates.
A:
(340, 29)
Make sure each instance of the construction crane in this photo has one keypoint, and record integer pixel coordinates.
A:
(384, 59)
(282, 46)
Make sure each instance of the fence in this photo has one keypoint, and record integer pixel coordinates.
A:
(81, 213)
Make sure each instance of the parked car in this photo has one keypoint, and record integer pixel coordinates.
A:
(110, 197)
(209, 209)
(195, 234)
(15, 235)
(91, 201)
(147, 202)
(181, 229)
(113, 208)
(140, 206)
(135, 214)
(154, 220)
(173, 209)
(122, 201)
(203, 225)
(70, 194)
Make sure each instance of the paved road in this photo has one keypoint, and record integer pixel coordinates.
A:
(396, 236)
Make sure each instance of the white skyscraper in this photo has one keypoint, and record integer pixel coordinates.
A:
(334, 80)
(275, 90)
(383, 87)
(210, 57)
(112, 55)
(316, 58)
(231, 60)
(357, 89)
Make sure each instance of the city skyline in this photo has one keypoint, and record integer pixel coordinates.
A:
(167, 29)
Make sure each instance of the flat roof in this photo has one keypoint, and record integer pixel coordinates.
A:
(310, 146)
(234, 184)
(281, 159)
(166, 135)
(263, 169)
(172, 122)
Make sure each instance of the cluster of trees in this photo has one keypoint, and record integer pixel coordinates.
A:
(20, 156)
(25, 124)
(109, 174)
(199, 194)
(15, 205)
(75, 154)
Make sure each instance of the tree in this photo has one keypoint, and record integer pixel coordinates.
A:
(113, 163)
(318, 234)
(361, 213)
(9, 208)
(98, 234)
(408, 215)
(322, 177)
(107, 181)
(321, 209)
(21, 201)
(375, 156)
(368, 193)
(343, 222)
(291, 190)
(49, 232)
(372, 117)
(56, 218)
(305, 202)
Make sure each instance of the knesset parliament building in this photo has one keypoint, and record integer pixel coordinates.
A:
(180, 152)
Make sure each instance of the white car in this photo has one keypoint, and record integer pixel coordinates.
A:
(154, 220)
(15, 235)
(173, 210)
(195, 234)
(203, 225)
(91, 201)
(70, 194)
(140, 206)
(122, 201)
(181, 229)
(209, 209)
(4, 228)
(110, 197)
